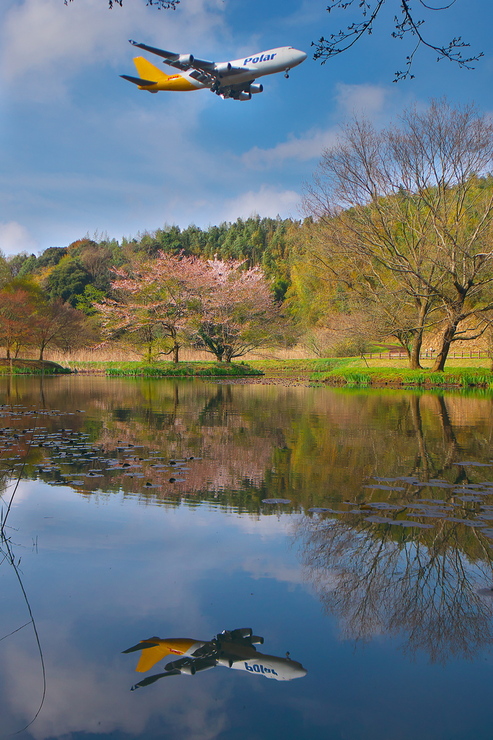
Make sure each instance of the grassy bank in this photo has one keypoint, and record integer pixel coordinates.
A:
(166, 369)
(303, 368)
(456, 377)
(350, 372)
(31, 367)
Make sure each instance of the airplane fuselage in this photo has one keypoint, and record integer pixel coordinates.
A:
(268, 62)
(229, 79)
(203, 655)
(246, 658)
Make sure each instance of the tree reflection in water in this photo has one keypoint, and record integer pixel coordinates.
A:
(375, 584)
(241, 445)
(421, 584)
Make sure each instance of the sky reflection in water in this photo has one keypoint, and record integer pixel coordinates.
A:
(142, 511)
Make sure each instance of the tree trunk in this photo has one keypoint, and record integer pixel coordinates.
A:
(176, 348)
(442, 355)
(414, 355)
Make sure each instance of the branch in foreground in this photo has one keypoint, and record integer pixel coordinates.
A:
(405, 24)
(159, 4)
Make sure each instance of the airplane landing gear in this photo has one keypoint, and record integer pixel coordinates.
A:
(286, 74)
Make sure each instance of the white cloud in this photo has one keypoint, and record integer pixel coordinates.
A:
(15, 238)
(303, 148)
(266, 202)
(43, 43)
(277, 569)
(351, 100)
(367, 100)
(87, 693)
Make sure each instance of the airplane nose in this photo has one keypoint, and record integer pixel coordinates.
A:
(297, 670)
(300, 56)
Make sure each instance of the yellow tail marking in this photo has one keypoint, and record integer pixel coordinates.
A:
(148, 71)
(150, 656)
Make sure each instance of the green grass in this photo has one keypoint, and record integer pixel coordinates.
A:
(403, 377)
(31, 367)
(306, 367)
(167, 369)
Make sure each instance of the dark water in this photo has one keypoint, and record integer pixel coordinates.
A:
(353, 530)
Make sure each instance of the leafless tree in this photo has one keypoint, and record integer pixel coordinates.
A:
(406, 221)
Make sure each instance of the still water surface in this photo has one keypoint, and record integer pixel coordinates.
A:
(353, 530)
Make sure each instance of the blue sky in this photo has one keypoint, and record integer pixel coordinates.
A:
(84, 152)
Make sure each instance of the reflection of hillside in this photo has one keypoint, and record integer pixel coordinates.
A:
(229, 447)
(355, 436)
(313, 446)
(424, 593)
(388, 560)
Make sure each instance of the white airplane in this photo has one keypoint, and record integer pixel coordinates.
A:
(232, 649)
(234, 79)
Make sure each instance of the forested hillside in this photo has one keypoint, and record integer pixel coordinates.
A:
(82, 271)
(151, 292)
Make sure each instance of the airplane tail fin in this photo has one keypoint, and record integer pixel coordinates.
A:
(153, 650)
(147, 71)
(151, 656)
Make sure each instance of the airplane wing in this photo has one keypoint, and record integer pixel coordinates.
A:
(184, 62)
(242, 636)
(151, 679)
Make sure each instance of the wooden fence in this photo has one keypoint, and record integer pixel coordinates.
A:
(428, 355)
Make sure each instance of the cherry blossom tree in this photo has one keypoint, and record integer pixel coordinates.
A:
(238, 311)
(154, 301)
(214, 305)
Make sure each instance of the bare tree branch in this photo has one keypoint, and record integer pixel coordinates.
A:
(406, 24)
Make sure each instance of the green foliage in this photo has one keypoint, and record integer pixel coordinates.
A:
(17, 261)
(67, 271)
(301, 367)
(172, 370)
(89, 297)
(68, 280)
(51, 257)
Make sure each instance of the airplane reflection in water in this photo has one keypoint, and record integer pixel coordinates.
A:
(232, 649)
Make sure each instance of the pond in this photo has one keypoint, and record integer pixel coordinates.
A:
(351, 530)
